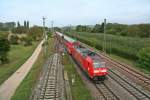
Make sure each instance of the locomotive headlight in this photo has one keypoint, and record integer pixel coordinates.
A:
(104, 70)
(96, 71)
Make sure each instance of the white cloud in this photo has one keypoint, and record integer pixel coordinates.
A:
(65, 12)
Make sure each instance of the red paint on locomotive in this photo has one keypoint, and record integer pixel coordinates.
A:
(88, 60)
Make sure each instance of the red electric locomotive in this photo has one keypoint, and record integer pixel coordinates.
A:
(88, 60)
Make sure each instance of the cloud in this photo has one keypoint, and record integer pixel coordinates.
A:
(65, 12)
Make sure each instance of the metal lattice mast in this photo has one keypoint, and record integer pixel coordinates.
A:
(44, 34)
(104, 43)
(52, 29)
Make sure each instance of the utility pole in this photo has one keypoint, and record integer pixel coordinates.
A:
(104, 42)
(52, 30)
(44, 34)
(70, 28)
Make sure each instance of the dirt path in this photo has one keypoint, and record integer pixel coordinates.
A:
(7, 89)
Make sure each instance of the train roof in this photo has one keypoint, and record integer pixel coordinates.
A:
(93, 55)
(60, 34)
(69, 39)
(66, 37)
(83, 50)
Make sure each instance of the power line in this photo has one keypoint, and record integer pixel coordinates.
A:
(44, 18)
(52, 28)
(104, 42)
(44, 34)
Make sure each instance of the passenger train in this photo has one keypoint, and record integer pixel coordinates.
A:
(89, 61)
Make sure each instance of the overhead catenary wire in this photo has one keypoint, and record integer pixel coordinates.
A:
(44, 33)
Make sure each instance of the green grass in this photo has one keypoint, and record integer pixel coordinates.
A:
(79, 90)
(26, 87)
(124, 48)
(130, 62)
(17, 55)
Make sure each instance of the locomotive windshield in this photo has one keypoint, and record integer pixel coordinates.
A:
(91, 53)
(99, 64)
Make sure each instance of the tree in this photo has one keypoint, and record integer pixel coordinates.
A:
(7, 26)
(28, 24)
(102, 28)
(97, 28)
(139, 30)
(25, 24)
(57, 29)
(14, 39)
(144, 57)
(18, 24)
(19, 30)
(26, 41)
(36, 32)
(81, 28)
(4, 48)
(144, 30)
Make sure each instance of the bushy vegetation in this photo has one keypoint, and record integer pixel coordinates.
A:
(126, 41)
(26, 41)
(19, 35)
(82, 28)
(21, 29)
(25, 89)
(4, 48)
(14, 39)
(139, 30)
(36, 33)
(144, 58)
(17, 55)
(78, 89)
(16, 47)
(7, 26)
(126, 47)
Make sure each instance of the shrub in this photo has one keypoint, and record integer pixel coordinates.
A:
(4, 48)
(14, 39)
(144, 58)
(126, 47)
(27, 41)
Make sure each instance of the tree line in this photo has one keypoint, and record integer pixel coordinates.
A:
(7, 26)
(20, 34)
(137, 30)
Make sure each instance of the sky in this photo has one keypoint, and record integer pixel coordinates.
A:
(74, 12)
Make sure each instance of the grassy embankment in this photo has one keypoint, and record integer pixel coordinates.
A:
(78, 89)
(24, 91)
(17, 55)
(121, 48)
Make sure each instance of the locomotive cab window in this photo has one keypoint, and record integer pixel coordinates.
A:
(91, 54)
(99, 64)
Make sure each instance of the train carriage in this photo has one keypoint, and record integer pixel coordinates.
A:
(89, 61)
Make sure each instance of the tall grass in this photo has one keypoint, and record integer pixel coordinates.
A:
(25, 89)
(17, 55)
(126, 47)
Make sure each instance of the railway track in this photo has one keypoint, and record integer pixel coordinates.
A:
(106, 92)
(139, 77)
(51, 85)
(124, 82)
(127, 69)
(135, 91)
(128, 85)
